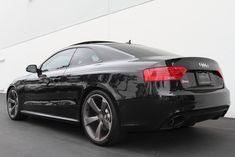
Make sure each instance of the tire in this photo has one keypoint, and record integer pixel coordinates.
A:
(100, 119)
(14, 105)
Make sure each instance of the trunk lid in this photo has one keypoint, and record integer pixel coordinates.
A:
(202, 73)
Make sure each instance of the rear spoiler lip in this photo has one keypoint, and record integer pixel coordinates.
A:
(191, 63)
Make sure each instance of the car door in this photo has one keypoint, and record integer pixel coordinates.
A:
(74, 81)
(42, 89)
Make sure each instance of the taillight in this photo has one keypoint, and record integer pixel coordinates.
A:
(164, 73)
(219, 73)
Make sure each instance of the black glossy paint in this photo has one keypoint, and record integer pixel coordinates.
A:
(139, 104)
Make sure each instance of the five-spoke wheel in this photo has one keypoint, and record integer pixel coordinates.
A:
(13, 105)
(99, 118)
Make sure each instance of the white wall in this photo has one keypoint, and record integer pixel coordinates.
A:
(22, 20)
(187, 27)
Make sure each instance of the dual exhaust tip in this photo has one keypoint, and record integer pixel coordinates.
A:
(174, 122)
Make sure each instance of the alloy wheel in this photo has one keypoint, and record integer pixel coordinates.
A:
(97, 117)
(13, 103)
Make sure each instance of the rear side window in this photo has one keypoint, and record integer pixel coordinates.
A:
(84, 56)
(111, 54)
(140, 51)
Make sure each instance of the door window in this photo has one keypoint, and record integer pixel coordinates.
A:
(58, 61)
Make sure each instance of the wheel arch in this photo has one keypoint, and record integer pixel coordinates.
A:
(103, 89)
(8, 89)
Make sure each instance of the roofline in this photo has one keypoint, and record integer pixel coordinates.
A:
(93, 42)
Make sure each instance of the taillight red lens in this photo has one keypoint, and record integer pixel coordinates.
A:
(164, 73)
(219, 73)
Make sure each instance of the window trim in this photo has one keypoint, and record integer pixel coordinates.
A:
(75, 49)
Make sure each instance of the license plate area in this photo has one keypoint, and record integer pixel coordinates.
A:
(203, 78)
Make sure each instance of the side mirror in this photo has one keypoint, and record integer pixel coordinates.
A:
(32, 68)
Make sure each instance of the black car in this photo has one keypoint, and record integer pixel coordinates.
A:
(114, 88)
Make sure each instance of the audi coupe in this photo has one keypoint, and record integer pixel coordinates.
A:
(114, 88)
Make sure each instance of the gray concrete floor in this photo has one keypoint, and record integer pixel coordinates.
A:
(45, 138)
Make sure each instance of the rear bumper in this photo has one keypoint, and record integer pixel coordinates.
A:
(191, 117)
(183, 107)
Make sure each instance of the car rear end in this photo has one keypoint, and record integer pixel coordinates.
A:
(188, 90)
(171, 91)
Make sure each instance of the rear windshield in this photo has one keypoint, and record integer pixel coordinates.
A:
(140, 51)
